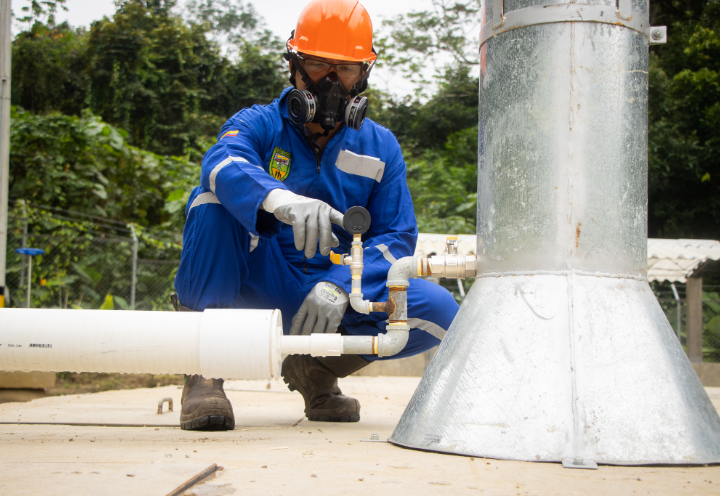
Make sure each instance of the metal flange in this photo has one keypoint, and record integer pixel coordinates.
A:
(531, 16)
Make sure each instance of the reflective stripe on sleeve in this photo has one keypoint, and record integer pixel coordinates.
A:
(386, 253)
(254, 240)
(203, 199)
(216, 170)
(427, 326)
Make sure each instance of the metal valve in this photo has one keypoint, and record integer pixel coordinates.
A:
(451, 245)
(452, 265)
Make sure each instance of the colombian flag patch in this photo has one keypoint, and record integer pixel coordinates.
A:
(229, 133)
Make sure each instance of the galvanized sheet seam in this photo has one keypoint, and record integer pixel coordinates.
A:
(560, 273)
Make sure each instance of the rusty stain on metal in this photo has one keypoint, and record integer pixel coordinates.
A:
(577, 234)
(378, 307)
(390, 305)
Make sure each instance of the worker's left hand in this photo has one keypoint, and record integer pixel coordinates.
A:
(322, 311)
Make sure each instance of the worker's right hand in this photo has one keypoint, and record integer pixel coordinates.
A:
(309, 218)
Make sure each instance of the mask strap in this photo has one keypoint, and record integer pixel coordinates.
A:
(361, 85)
(292, 57)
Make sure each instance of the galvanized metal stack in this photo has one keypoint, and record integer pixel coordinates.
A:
(560, 350)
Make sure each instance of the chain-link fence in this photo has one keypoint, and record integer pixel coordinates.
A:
(674, 303)
(88, 263)
(155, 283)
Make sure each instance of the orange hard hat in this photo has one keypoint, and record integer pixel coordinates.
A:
(334, 29)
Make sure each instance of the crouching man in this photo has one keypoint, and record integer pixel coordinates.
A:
(260, 226)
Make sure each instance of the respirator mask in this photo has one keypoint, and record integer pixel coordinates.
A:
(327, 102)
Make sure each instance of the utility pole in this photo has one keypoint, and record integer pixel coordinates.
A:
(5, 53)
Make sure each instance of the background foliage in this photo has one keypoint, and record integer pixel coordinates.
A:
(113, 120)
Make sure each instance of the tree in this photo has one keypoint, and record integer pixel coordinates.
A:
(84, 165)
(684, 148)
(684, 122)
(39, 10)
(443, 184)
(234, 24)
(439, 141)
(49, 69)
(447, 34)
(147, 71)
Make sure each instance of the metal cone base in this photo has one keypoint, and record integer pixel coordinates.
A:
(551, 367)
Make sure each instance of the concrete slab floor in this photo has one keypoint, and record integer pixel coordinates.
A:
(274, 450)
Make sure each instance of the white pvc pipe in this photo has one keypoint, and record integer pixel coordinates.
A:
(314, 344)
(228, 344)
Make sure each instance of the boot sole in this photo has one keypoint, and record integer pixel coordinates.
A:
(324, 418)
(209, 423)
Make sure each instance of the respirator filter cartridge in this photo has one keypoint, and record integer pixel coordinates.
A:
(355, 112)
(302, 106)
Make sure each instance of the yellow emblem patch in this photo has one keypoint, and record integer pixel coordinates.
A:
(280, 164)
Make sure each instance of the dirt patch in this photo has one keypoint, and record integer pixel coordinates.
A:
(70, 383)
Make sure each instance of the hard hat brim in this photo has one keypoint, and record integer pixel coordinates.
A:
(330, 55)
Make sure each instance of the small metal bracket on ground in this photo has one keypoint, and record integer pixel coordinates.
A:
(374, 439)
(579, 463)
(160, 405)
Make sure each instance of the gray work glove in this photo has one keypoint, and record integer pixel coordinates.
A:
(309, 218)
(322, 311)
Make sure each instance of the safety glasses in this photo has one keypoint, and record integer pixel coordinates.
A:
(317, 68)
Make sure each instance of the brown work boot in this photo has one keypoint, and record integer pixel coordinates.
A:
(316, 380)
(205, 406)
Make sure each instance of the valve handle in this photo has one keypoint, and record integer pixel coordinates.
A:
(336, 258)
(357, 220)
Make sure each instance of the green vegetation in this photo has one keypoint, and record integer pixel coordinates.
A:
(684, 141)
(113, 121)
(684, 124)
(165, 79)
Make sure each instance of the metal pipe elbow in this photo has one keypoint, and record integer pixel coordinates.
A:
(402, 271)
(393, 341)
(358, 304)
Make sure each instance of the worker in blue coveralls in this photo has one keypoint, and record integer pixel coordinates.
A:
(260, 227)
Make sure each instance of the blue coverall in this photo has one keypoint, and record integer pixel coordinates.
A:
(238, 256)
